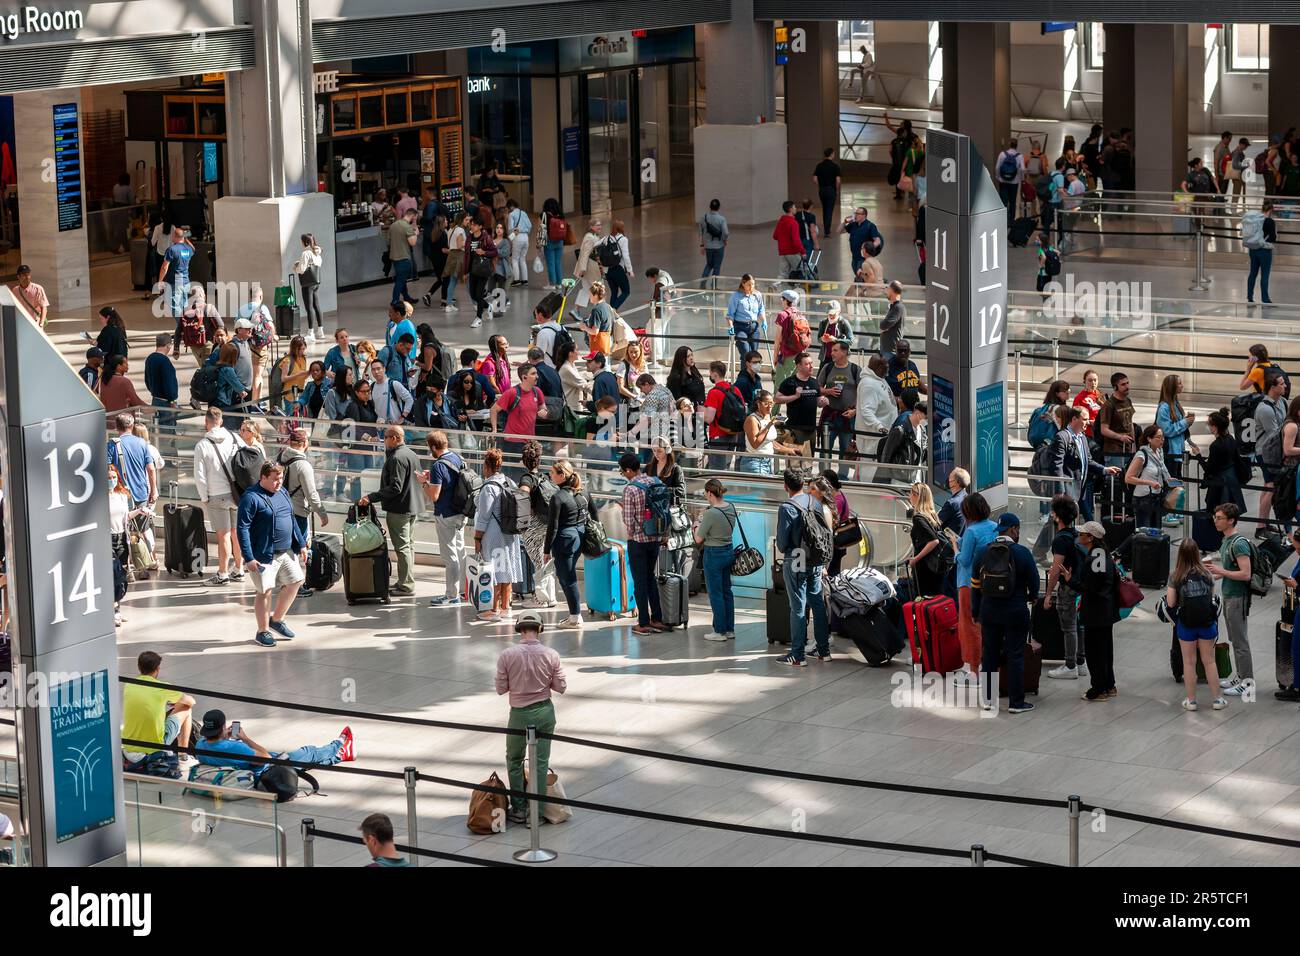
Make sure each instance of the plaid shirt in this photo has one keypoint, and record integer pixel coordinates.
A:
(634, 513)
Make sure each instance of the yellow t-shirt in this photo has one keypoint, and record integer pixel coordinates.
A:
(144, 711)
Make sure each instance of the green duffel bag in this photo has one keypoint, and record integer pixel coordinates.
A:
(362, 534)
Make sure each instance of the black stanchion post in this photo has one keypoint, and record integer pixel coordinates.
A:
(977, 854)
(306, 826)
(412, 816)
(1075, 804)
(535, 853)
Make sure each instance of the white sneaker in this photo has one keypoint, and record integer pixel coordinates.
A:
(1064, 672)
(715, 637)
(1236, 690)
(1192, 705)
(1227, 681)
(573, 620)
(1083, 670)
(311, 336)
(476, 323)
(1219, 703)
(452, 307)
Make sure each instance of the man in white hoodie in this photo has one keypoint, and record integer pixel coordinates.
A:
(877, 408)
(212, 460)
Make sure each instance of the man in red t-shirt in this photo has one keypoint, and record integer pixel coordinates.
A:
(719, 436)
(523, 405)
(789, 245)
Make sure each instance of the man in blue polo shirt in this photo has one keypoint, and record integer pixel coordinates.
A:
(130, 456)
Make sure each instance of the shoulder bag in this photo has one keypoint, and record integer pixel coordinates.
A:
(745, 560)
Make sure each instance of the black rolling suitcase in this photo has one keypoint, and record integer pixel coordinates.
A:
(323, 567)
(365, 575)
(876, 636)
(185, 539)
(1116, 516)
(778, 617)
(1150, 558)
(1282, 634)
(1045, 629)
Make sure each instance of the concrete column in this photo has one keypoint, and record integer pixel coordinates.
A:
(977, 84)
(59, 260)
(812, 104)
(902, 63)
(270, 112)
(1160, 79)
(738, 159)
(1283, 91)
(1118, 103)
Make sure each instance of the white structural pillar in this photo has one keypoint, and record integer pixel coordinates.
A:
(59, 259)
(739, 159)
(273, 200)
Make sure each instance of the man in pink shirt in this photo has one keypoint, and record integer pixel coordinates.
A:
(528, 672)
(32, 296)
(406, 202)
(789, 246)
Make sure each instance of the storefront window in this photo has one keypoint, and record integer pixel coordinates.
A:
(372, 112)
(345, 114)
(398, 112)
(501, 126)
(422, 105)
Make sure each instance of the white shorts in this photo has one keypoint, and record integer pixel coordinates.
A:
(223, 512)
(283, 570)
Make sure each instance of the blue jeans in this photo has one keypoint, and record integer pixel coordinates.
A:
(619, 286)
(754, 465)
(838, 437)
(1261, 264)
(449, 290)
(565, 549)
(643, 556)
(746, 338)
(401, 275)
(181, 286)
(554, 260)
(327, 755)
(720, 459)
(805, 591)
(717, 580)
(713, 262)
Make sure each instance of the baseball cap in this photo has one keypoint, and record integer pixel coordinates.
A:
(1093, 529)
(214, 723)
(243, 324)
(833, 307)
(1007, 521)
(790, 295)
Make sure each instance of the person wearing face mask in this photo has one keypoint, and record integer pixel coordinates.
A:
(750, 380)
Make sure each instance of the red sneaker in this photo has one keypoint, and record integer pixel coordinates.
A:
(349, 750)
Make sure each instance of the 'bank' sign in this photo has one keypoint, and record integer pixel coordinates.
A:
(35, 20)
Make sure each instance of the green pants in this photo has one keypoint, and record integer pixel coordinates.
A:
(784, 369)
(401, 528)
(542, 716)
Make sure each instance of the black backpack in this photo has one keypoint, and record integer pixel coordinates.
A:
(1243, 410)
(246, 468)
(1196, 601)
(999, 580)
(1041, 464)
(1051, 261)
(514, 508)
(563, 338)
(464, 493)
(608, 253)
(731, 415)
(323, 567)
(818, 540)
(203, 386)
(283, 782)
(541, 489)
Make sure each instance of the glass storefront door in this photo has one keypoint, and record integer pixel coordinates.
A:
(608, 123)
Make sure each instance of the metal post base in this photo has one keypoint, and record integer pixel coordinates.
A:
(539, 855)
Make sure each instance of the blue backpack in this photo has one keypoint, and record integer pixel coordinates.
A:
(1041, 429)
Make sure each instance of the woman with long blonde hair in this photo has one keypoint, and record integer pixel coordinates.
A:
(931, 550)
(569, 510)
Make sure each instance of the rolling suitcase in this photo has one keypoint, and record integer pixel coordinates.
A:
(674, 602)
(1022, 230)
(1204, 533)
(608, 582)
(1222, 660)
(185, 538)
(1272, 545)
(286, 310)
(365, 574)
(874, 634)
(1282, 640)
(1033, 669)
(1150, 558)
(932, 630)
(1045, 628)
(777, 608)
(323, 567)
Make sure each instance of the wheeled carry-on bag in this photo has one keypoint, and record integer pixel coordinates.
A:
(608, 582)
(1033, 669)
(1150, 558)
(1282, 639)
(875, 636)
(1022, 230)
(185, 538)
(365, 574)
(674, 602)
(932, 630)
(1045, 628)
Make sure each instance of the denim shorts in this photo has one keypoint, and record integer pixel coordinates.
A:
(1268, 473)
(1193, 634)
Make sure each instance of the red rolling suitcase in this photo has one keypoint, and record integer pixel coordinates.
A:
(932, 631)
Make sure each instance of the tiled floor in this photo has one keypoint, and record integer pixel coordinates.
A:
(1239, 768)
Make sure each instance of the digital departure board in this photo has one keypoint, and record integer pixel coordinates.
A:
(67, 166)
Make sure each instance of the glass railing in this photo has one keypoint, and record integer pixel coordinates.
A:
(178, 823)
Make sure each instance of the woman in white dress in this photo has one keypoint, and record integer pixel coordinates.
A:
(491, 543)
